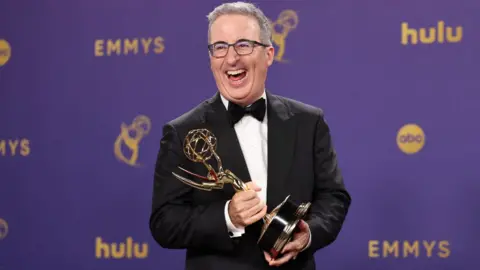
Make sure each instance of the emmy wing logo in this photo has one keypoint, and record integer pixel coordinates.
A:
(3, 229)
(286, 22)
(126, 146)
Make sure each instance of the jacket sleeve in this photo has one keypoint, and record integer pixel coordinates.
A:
(331, 201)
(176, 222)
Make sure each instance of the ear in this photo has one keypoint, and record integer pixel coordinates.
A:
(270, 51)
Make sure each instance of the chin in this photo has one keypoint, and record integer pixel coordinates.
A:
(239, 94)
(238, 90)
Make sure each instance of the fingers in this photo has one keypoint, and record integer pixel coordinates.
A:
(250, 215)
(243, 204)
(247, 199)
(254, 209)
(246, 207)
(291, 249)
(268, 258)
(244, 201)
(249, 194)
(302, 225)
(285, 258)
(292, 246)
(300, 240)
(257, 216)
(246, 195)
(251, 185)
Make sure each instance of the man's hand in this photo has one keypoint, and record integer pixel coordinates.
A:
(291, 249)
(245, 207)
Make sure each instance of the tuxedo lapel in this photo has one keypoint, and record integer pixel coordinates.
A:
(228, 146)
(281, 145)
(281, 142)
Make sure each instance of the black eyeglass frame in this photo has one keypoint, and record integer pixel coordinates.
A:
(252, 42)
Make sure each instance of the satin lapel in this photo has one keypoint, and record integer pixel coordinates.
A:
(228, 147)
(281, 142)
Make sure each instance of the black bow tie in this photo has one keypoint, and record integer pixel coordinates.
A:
(257, 110)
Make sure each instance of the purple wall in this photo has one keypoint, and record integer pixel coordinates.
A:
(65, 192)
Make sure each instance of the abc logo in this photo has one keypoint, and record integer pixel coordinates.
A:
(410, 139)
(5, 52)
(3, 229)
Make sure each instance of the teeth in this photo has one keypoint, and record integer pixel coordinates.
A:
(235, 72)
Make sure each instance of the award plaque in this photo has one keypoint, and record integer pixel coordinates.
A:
(278, 225)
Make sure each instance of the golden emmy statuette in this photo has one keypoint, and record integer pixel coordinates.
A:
(278, 225)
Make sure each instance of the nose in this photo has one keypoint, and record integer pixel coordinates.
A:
(232, 56)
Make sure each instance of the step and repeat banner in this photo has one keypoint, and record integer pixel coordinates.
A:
(85, 87)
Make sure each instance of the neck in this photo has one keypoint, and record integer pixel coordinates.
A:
(243, 103)
(250, 100)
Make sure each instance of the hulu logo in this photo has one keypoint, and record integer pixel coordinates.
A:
(439, 34)
(128, 249)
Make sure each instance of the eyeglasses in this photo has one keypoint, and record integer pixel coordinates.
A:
(242, 47)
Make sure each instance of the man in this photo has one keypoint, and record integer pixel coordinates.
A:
(280, 147)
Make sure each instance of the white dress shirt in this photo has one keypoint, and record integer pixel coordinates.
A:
(252, 136)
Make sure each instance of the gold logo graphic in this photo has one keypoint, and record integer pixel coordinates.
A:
(130, 137)
(129, 249)
(127, 46)
(5, 52)
(439, 34)
(286, 22)
(3, 229)
(14, 147)
(410, 139)
(407, 249)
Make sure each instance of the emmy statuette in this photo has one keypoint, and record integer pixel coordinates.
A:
(278, 225)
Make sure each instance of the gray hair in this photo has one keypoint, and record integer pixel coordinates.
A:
(247, 9)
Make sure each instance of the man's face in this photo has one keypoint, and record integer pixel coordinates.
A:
(240, 78)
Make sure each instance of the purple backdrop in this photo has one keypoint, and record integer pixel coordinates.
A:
(85, 87)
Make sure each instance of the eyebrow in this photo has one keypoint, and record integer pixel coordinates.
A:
(241, 39)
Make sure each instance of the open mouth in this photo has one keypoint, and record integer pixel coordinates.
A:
(236, 76)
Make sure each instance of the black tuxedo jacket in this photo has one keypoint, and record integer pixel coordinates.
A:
(301, 163)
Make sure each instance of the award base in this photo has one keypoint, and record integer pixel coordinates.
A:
(279, 226)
